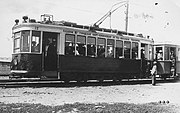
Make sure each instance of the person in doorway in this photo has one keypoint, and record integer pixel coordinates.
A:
(51, 56)
(154, 72)
(142, 54)
(160, 55)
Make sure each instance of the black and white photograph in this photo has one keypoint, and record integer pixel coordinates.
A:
(89, 56)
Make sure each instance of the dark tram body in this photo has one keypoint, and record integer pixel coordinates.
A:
(71, 52)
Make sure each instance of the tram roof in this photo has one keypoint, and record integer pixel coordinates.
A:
(165, 44)
(78, 26)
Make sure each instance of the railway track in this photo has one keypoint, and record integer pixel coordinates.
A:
(12, 83)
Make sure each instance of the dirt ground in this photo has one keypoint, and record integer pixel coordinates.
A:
(136, 94)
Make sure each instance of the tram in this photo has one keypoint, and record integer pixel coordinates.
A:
(71, 52)
(168, 57)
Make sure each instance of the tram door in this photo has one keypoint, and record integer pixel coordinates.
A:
(144, 57)
(50, 54)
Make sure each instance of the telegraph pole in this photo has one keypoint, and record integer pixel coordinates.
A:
(127, 11)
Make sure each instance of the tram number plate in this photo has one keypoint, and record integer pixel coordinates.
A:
(36, 28)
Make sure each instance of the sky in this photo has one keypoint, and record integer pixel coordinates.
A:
(158, 19)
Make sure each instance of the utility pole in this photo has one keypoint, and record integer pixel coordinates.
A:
(127, 11)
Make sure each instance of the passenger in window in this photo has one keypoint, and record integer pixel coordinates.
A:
(37, 48)
(135, 55)
(91, 50)
(172, 56)
(69, 49)
(77, 50)
(160, 55)
(101, 51)
(33, 46)
(110, 52)
(80, 49)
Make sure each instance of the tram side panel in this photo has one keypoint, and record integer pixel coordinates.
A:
(164, 68)
(76, 67)
(26, 65)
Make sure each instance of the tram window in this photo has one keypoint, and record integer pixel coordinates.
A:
(17, 42)
(172, 53)
(35, 43)
(134, 50)
(178, 54)
(70, 44)
(110, 48)
(167, 53)
(127, 49)
(119, 49)
(150, 52)
(101, 47)
(81, 45)
(91, 46)
(25, 38)
(159, 53)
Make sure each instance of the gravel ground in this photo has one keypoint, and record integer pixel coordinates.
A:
(137, 97)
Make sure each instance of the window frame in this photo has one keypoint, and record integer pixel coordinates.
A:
(72, 48)
(15, 42)
(125, 48)
(118, 48)
(91, 44)
(109, 45)
(80, 43)
(159, 55)
(102, 54)
(40, 41)
(135, 49)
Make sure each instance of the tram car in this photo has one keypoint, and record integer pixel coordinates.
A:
(71, 52)
(168, 57)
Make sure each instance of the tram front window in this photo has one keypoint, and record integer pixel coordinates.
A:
(25, 41)
(81, 45)
(35, 43)
(91, 46)
(70, 44)
(101, 47)
(127, 49)
(110, 48)
(16, 42)
(119, 49)
(134, 50)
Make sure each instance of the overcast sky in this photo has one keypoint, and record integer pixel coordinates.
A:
(160, 19)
